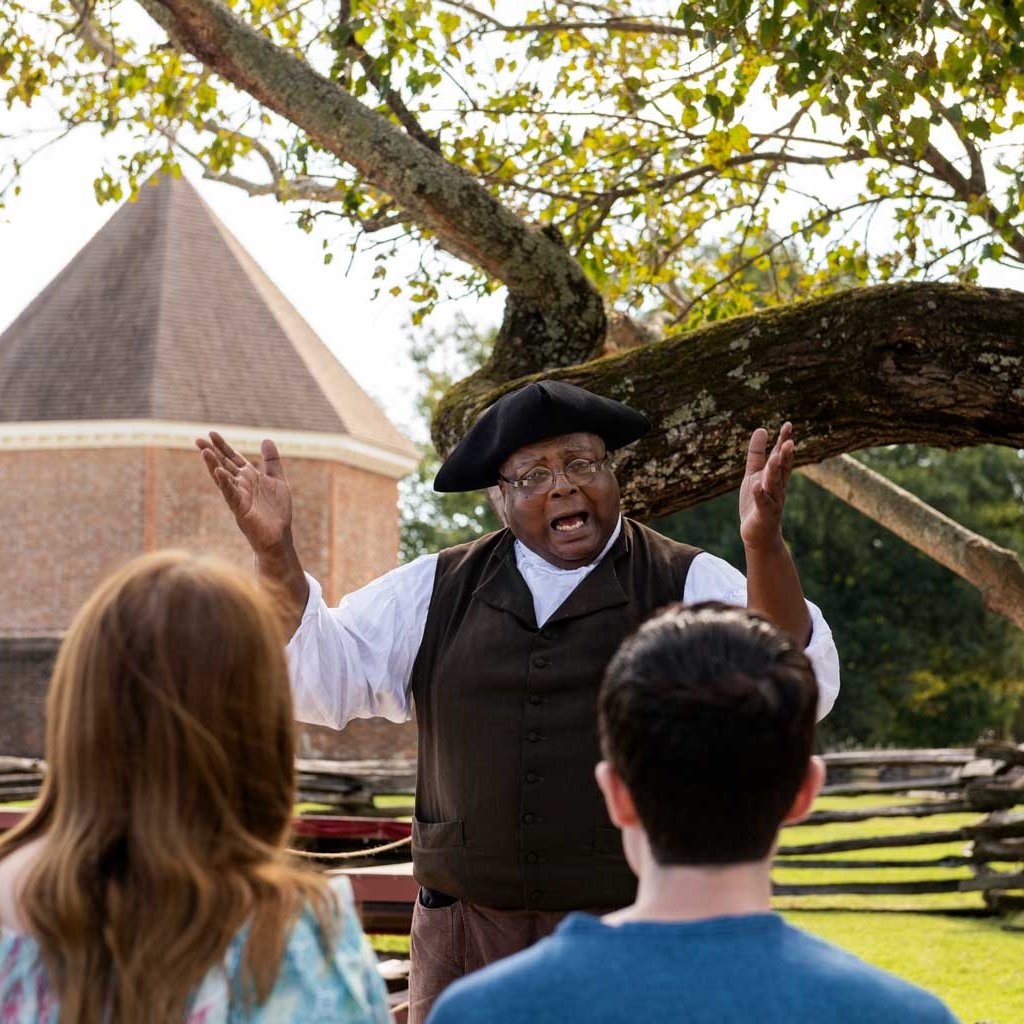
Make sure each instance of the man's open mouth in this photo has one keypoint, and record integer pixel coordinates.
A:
(569, 523)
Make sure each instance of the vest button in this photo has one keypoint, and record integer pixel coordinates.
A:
(535, 698)
(536, 894)
(533, 736)
(532, 776)
(539, 661)
(532, 858)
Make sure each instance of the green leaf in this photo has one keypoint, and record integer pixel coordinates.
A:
(919, 129)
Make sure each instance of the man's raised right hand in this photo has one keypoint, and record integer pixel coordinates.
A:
(261, 502)
(259, 499)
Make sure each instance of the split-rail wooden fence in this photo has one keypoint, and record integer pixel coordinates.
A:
(985, 782)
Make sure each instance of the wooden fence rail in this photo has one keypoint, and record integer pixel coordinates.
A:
(986, 782)
(917, 757)
(345, 787)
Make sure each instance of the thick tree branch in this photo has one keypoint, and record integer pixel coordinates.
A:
(934, 364)
(996, 571)
(551, 295)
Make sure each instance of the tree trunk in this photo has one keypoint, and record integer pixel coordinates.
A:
(558, 312)
(930, 364)
(995, 571)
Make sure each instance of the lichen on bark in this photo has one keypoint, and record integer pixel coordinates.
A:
(909, 363)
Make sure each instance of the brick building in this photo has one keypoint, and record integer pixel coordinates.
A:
(161, 328)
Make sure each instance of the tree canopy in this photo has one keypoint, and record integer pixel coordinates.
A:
(881, 139)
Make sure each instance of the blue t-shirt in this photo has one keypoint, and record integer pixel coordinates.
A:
(750, 968)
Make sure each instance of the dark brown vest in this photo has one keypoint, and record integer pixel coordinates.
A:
(507, 811)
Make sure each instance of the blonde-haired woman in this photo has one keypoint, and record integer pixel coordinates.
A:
(151, 883)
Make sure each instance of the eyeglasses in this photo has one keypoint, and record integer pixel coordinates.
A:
(540, 479)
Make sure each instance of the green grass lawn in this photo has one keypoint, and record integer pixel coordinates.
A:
(975, 964)
(402, 801)
(971, 963)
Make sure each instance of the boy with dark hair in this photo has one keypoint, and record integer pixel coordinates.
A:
(707, 728)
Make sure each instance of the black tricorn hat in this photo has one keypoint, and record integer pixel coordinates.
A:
(546, 408)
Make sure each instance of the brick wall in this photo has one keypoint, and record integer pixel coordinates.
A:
(364, 539)
(68, 519)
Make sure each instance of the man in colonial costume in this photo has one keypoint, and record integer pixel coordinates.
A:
(500, 645)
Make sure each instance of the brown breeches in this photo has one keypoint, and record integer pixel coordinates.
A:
(448, 942)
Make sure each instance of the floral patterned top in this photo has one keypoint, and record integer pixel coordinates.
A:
(343, 988)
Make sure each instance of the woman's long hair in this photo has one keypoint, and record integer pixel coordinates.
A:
(168, 797)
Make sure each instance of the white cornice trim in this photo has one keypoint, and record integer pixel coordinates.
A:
(50, 435)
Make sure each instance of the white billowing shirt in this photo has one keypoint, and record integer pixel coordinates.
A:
(356, 660)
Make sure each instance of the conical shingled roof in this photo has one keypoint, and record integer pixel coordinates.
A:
(164, 316)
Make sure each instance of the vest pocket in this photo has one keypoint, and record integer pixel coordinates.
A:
(436, 835)
(608, 840)
(438, 857)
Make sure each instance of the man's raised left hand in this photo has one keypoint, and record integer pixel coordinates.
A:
(763, 491)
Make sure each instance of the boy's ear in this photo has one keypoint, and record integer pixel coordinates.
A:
(617, 797)
(814, 779)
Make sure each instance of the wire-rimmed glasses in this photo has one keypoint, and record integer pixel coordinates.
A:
(540, 479)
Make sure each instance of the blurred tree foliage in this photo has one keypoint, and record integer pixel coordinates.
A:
(924, 664)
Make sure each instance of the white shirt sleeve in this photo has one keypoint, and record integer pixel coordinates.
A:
(356, 660)
(713, 579)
